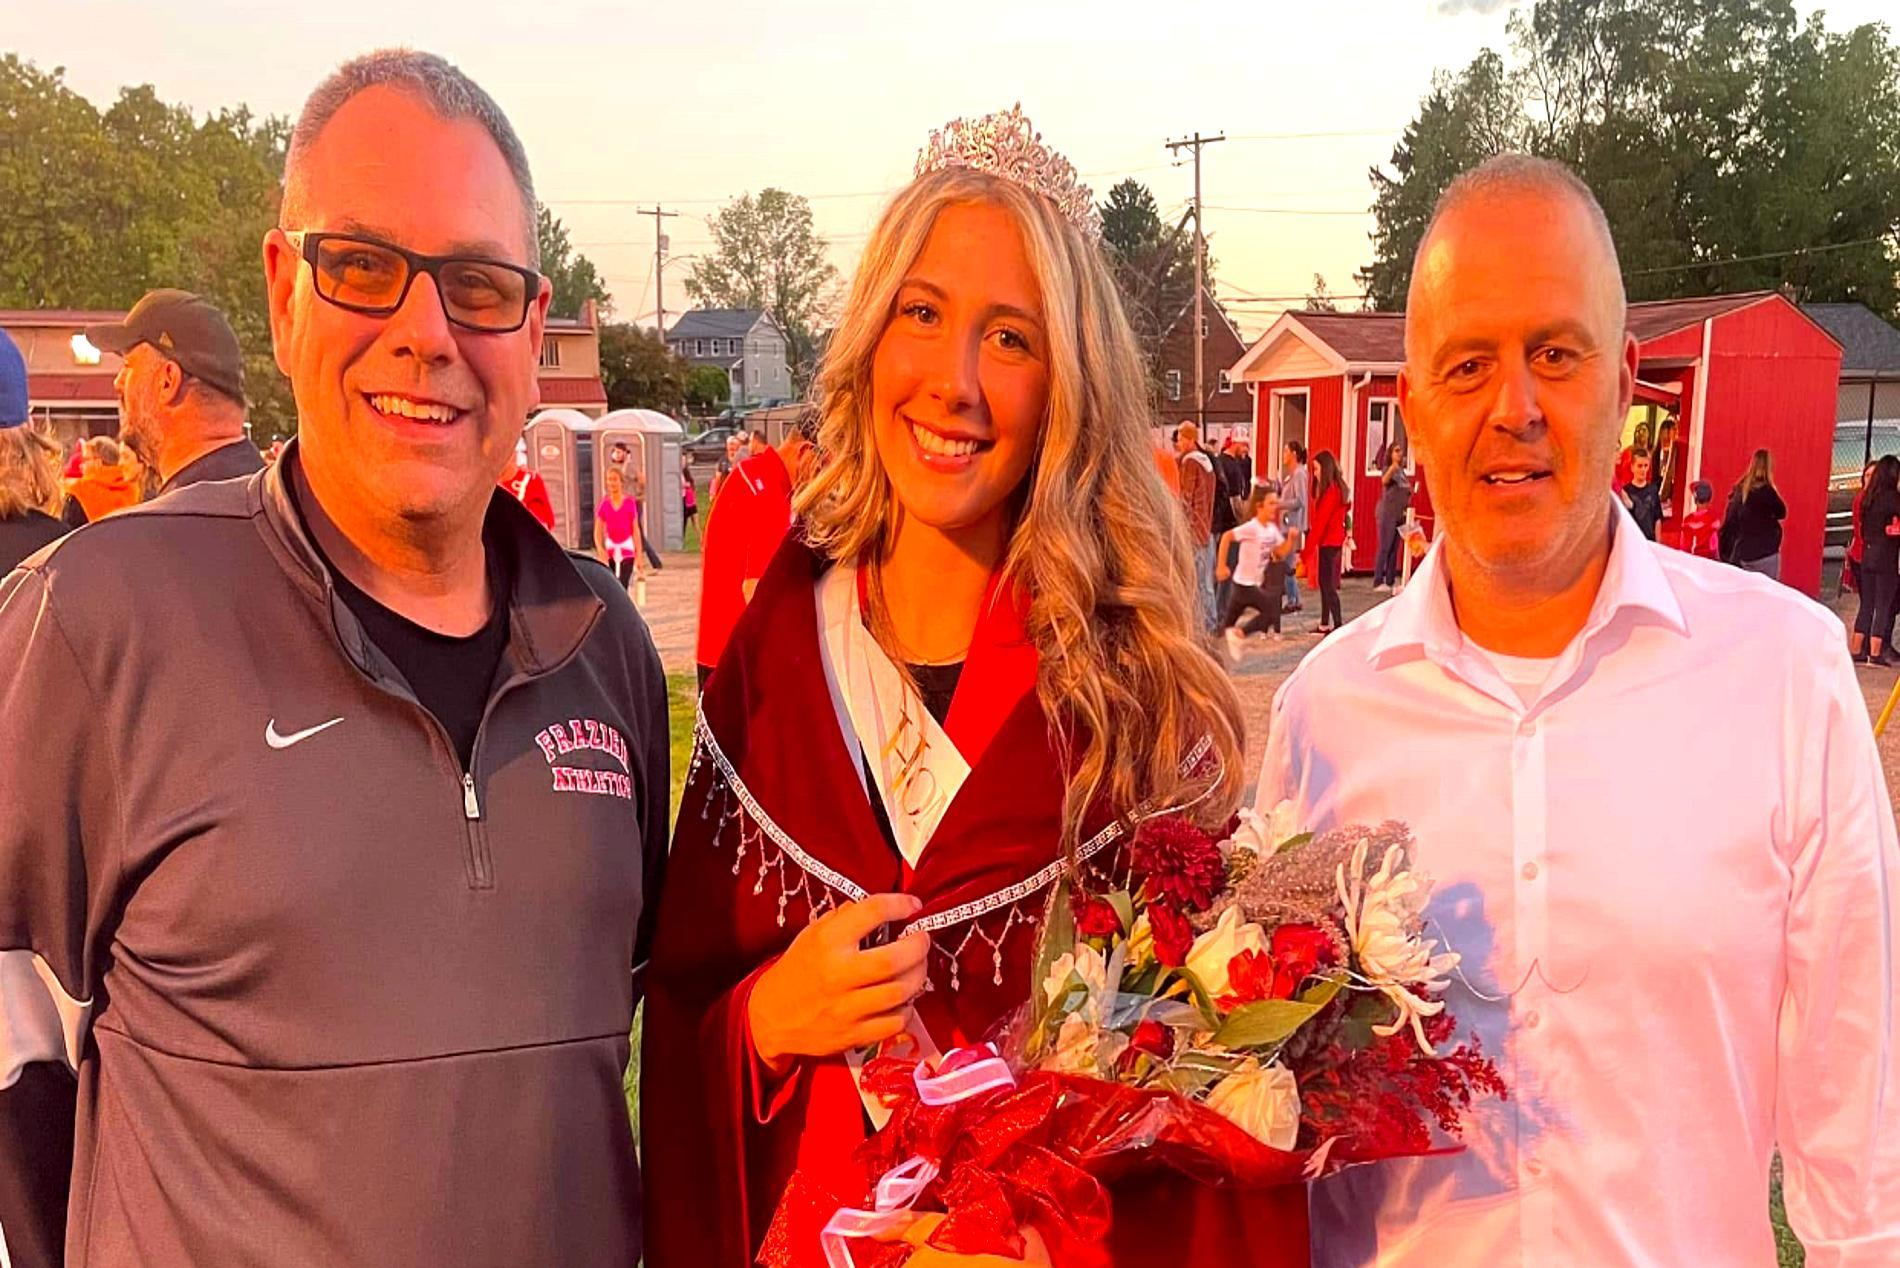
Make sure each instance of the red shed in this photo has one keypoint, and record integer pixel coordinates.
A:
(1745, 372)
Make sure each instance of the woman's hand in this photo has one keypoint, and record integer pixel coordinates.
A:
(1035, 1254)
(828, 995)
(1222, 572)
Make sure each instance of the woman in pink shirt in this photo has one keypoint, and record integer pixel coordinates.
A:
(617, 529)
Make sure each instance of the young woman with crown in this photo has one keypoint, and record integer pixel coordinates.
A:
(972, 671)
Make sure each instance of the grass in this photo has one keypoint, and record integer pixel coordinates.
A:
(682, 693)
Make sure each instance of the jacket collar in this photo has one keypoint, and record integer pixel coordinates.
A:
(551, 608)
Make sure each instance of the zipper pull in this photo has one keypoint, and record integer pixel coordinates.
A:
(470, 807)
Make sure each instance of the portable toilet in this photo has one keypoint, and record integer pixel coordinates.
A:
(571, 452)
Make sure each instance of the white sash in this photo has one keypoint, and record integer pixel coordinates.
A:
(918, 769)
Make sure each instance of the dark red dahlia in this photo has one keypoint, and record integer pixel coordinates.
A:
(1178, 861)
(1152, 1038)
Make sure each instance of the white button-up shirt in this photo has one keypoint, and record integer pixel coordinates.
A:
(1670, 878)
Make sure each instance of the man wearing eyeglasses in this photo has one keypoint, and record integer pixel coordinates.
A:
(377, 1014)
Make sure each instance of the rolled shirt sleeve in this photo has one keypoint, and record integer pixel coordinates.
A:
(1837, 1111)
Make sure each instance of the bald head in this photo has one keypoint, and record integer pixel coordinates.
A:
(1508, 179)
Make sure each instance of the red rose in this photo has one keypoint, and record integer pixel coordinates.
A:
(1173, 934)
(1152, 1038)
(1179, 862)
(1097, 918)
(1250, 978)
(1303, 949)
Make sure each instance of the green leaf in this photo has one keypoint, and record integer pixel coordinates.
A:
(1058, 934)
(1202, 1000)
(1124, 909)
(1323, 992)
(1264, 1023)
(1293, 843)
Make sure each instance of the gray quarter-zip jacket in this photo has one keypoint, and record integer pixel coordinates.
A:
(332, 999)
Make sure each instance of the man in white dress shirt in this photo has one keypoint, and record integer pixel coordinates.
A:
(1682, 954)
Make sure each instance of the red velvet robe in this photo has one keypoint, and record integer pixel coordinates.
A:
(771, 770)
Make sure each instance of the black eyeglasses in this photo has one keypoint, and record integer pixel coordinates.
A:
(372, 277)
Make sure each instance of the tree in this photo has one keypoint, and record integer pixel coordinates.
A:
(1153, 266)
(571, 274)
(102, 206)
(1732, 146)
(1319, 299)
(767, 255)
(707, 388)
(639, 371)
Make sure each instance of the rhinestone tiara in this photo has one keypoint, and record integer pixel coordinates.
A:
(1004, 144)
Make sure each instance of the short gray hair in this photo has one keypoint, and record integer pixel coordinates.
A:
(1505, 174)
(442, 87)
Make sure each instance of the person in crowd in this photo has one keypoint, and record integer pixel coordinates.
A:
(528, 488)
(1295, 508)
(142, 477)
(689, 500)
(1261, 548)
(1230, 504)
(1667, 469)
(989, 611)
(617, 529)
(181, 389)
(1640, 442)
(1856, 545)
(331, 880)
(1727, 932)
(634, 479)
(1702, 526)
(1395, 496)
(1641, 495)
(1751, 528)
(1878, 521)
(1325, 544)
(104, 484)
(30, 492)
(1199, 492)
(744, 529)
(723, 471)
(756, 443)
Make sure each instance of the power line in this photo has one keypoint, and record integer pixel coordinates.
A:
(1308, 136)
(1293, 211)
(1750, 259)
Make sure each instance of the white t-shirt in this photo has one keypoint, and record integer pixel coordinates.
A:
(1525, 675)
(1255, 539)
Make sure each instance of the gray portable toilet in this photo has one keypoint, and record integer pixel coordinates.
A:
(561, 451)
(654, 444)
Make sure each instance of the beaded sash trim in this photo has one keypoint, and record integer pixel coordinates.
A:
(800, 875)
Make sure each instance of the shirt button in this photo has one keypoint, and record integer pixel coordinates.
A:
(1531, 1019)
(1527, 729)
(1534, 1167)
(1530, 871)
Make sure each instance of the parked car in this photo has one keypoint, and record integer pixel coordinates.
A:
(1851, 447)
(704, 451)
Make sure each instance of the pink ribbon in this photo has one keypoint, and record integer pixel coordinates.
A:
(964, 1073)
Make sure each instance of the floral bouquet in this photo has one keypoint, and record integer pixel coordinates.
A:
(1255, 1011)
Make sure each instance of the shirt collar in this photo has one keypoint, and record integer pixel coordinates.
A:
(1422, 619)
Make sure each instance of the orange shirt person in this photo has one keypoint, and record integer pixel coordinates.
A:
(102, 486)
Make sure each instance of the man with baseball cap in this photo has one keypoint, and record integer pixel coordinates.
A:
(181, 389)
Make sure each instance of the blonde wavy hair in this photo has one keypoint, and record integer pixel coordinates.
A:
(1098, 543)
(29, 472)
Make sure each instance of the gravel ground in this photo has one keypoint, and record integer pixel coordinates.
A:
(672, 614)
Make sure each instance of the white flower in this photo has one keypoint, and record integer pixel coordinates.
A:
(1262, 835)
(1388, 938)
(1283, 824)
(1208, 958)
(1076, 1043)
(1262, 1100)
(1086, 963)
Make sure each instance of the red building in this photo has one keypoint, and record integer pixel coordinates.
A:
(1742, 372)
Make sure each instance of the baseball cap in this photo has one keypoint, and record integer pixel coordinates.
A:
(12, 383)
(185, 328)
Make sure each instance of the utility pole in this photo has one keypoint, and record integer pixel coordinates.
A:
(1200, 250)
(659, 263)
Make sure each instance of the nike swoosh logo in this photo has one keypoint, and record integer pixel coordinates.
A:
(276, 739)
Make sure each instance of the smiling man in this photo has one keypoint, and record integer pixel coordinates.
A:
(328, 877)
(1679, 975)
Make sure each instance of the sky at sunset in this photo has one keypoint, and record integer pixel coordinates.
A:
(692, 104)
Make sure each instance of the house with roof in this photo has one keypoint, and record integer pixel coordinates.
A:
(744, 342)
(1867, 406)
(1224, 408)
(1740, 372)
